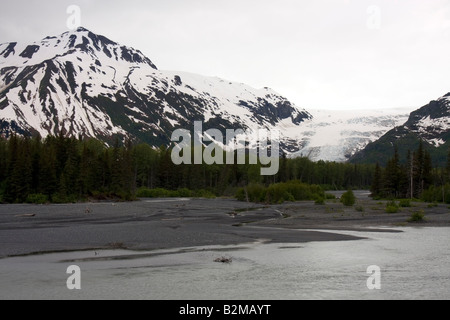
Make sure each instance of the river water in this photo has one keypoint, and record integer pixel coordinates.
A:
(414, 264)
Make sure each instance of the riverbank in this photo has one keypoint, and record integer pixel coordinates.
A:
(150, 224)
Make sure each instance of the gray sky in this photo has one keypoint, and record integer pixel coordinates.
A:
(321, 54)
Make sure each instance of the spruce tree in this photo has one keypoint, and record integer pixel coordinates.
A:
(376, 188)
(427, 178)
(48, 178)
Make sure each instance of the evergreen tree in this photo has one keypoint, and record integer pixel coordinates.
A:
(36, 154)
(410, 173)
(48, 178)
(117, 183)
(447, 169)
(18, 181)
(377, 186)
(418, 170)
(427, 171)
(391, 179)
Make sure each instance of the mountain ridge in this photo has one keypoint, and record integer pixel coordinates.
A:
(80, 83)
(85, 85)
(429, 124)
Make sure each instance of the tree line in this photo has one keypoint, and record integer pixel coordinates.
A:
(64, 169)
(414, 178)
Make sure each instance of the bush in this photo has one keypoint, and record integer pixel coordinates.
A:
(240, 195)
(293, 191)
(204, 194)
(417, 216)
(348, 199)
(360, 209)
(434, 194)
(330, 196)
(405, 203)
(320, 201)
(256, 192)
(181, 193)
(280, 192)
(392, 207)
(37, 199)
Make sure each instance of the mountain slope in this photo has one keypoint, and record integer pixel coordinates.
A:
(83, 84)
(431, 124)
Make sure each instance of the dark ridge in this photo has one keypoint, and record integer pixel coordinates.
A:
(72, 38)
(107, 52)
(9, 72)
(100, 41)
(70, 74)
(85, 45)
(303, 116)
(95, 40)
(81, 29)
(135, 57)
(8, 128)
(29, 51)
(9, 49)
(177, 81)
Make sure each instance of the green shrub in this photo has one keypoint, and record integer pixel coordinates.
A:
(240, 195)
(330, 196)
(360, 209)
(280, 192)
(292, 191)
(435, 194)
(180, 193)
(392, 207)
(320, 201)
(417, 216)
(204, 194)
(256, 192)
(348, 199)
(183, 193)
(37, 199)
(405, 203)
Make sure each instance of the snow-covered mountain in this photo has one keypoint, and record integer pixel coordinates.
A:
(432, 122)
(336, 135)
(429, 124)
(83, 84)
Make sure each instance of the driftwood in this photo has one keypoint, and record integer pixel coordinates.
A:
(224, 260)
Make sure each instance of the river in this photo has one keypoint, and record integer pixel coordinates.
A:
(414, 264)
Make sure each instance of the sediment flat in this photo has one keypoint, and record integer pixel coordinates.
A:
(150, 224)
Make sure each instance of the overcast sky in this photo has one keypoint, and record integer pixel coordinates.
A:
(320, 54)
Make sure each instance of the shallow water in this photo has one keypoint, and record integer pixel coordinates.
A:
(415, 264)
